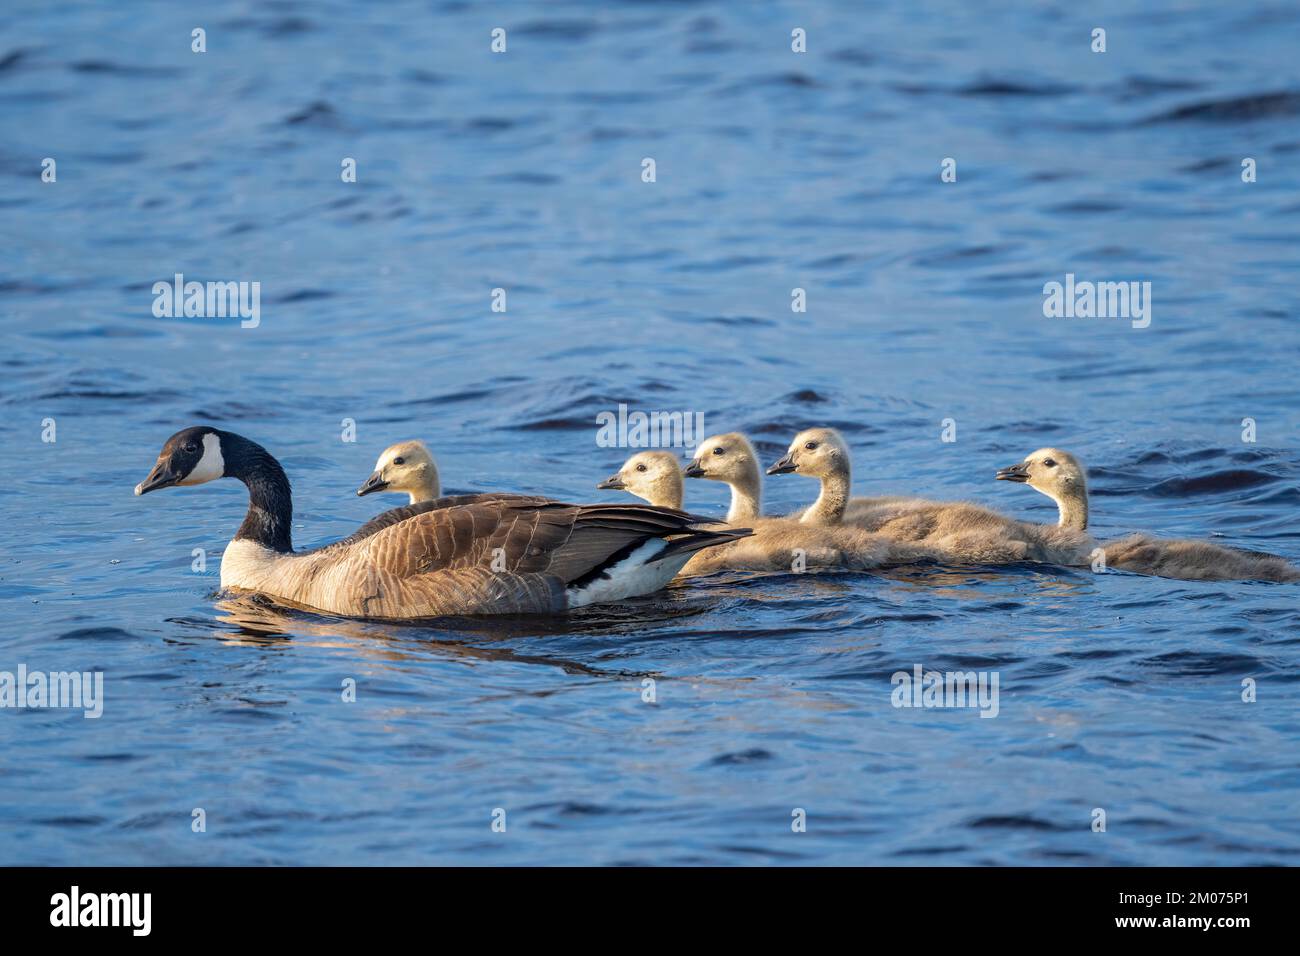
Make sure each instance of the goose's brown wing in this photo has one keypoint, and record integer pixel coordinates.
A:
(521, 535)
(391, 517)
(508, 556)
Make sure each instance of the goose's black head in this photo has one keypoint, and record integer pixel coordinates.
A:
(190, 457)
(200, 454)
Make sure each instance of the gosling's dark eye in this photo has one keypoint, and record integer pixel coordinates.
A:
(399, 461)
(1049, 463)
(810, 445)
(719, 451)
(640, 467)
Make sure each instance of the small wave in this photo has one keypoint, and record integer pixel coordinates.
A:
(316, 114)
(1214, 483)
(1141, 87)
(1200, 664)
(115, 395)
(558, 29)
(576, 808)
(742, 757)
(958, 254)
(96, 634)
(991, 87)
(1236, 109)
(1013, 88)
(1217, 164)
(555, 424)
(787, 80)
(787, 427)
(424, 77)
(1019, 822)
(805, 396)
(489, 124)
(70, 821)
(451, 398)
(302, 295)
(232, 411)
(279, 27)
(1086, 206)
(735, 320)
(725, 264)
(109, 68)
(527, 178)
(13, 59)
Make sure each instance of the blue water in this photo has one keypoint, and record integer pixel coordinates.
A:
(775, 170)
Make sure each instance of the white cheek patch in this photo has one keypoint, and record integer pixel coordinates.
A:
(210, 467)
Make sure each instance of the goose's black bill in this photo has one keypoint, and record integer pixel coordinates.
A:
(612, 483)
(693, 470)
(783, 466)
(372, 484)
(162, 476)
(1018, 472)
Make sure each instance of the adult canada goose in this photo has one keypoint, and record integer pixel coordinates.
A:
(951, 532)
(653, 476)
(1061, 476)
(778, 543)
(405, 467)
(471, 554)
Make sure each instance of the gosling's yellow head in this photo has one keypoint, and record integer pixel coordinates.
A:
(815, 452)
(653, 476)
(406, 466)
(1054, 472)
(730, 458)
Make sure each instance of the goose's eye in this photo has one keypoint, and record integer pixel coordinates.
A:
(191, 447)
(399, 461)
(719, 451)
(640, 467)
(810, 445)
(1049, 463)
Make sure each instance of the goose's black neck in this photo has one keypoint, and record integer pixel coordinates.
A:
(269, 520)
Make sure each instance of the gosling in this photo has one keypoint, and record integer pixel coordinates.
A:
(405, 467)
(778, 543)
(1061, 476)
(947, 532)
(653, 476)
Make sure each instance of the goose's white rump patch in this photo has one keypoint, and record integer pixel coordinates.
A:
(638, 573)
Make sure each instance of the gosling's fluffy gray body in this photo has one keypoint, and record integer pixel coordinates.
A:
(1061, 476)
(916, 528)
(778, 543)
(1196, 560)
